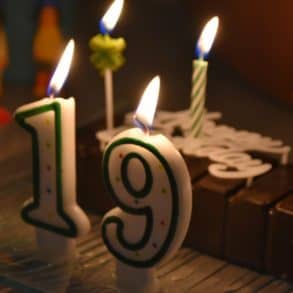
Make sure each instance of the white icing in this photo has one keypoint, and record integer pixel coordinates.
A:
(225, 146)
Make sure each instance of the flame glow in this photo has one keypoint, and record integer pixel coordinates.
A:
(112, 15)
(146, 109)
(207, 36)
(61, 70)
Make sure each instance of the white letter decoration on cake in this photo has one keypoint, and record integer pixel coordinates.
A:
(150, 183)
(230, 150)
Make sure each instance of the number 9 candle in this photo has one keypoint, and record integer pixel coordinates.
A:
(150, 183)
(199, 76)
(53, 209)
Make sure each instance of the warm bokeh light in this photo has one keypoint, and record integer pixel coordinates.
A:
(146, 109)
(207, 36)
(61, 70)
(112, 15)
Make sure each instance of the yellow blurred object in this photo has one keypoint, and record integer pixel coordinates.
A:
(48, 46)
(48, 42)
(3, 49)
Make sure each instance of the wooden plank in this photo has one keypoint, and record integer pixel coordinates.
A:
(220, 279)
(194, 273)
(242, 281)
(276, 286)
(178, 260)
(257, 284)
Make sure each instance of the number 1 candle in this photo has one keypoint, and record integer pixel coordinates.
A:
(149, 181)
(53, 209)
(199, 76)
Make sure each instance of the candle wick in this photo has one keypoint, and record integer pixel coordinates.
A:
(51, 92)
(141, 125)
(201, 56)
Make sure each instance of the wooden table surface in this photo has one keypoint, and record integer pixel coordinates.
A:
(93, 271)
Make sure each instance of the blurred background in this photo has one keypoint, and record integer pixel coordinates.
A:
(250, 66)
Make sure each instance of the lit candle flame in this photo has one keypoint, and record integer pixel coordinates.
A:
(207, 37)
(146, 109)
(61, 70)
(111, 17)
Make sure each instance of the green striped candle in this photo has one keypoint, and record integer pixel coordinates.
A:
(199, 76)
(198, 96)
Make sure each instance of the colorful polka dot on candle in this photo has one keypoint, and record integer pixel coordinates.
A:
(48, 145)
(155, 245)
(117, 178)
(49, 190)
(161, 167)
(121, 156)
(164, 190)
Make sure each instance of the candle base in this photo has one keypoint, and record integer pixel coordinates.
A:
(54, 248)
(138, 280)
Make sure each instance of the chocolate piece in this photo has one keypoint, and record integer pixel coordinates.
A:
(206, 230)
(177, 131)
(197, 167)
(279, 257)
(273, 159)
(91, 191)
(247, 217)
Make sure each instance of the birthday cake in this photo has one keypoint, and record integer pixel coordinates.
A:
(242, 189)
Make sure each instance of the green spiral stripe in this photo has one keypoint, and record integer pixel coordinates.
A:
(20, 118)
(146, 211)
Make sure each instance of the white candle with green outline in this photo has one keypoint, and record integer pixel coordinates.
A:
(53, 210)
(199, 76)
(150, 183)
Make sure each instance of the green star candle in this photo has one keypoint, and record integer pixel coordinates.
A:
(107, 54)
(150, 183)
(53, 210)
(199, 76)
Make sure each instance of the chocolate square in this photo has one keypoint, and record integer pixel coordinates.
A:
(91, 190)
(247, 217)
(279, 257)
(206, 230)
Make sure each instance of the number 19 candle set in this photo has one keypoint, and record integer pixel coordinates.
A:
(144, 172)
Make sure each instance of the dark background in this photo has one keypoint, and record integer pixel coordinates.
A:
(160, 37)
